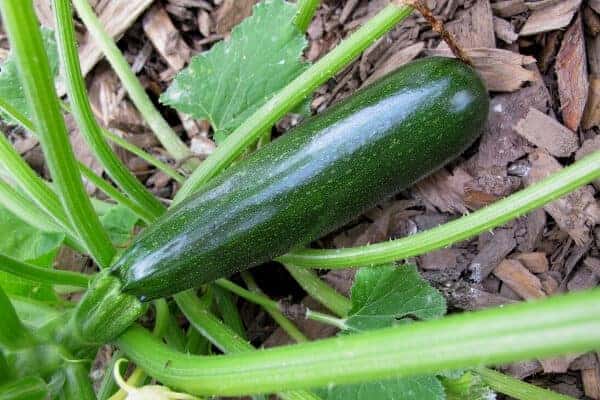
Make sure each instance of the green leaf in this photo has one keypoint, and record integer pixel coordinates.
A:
(119, 222)
(419, 388)
(381, 297)
(228, 83)
(28, 244)
(385, 295)
(11, 90)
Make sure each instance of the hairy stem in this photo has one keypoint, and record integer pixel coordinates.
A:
(165, 134)
(26, 42)
(516, 388)
(305, 13)
(502, 211)
(82, 111)
(42, 275)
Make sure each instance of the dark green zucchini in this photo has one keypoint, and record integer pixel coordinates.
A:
(315, 178)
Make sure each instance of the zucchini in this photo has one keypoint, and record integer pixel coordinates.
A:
(315, 178)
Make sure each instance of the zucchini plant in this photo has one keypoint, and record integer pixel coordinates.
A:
(236, 210)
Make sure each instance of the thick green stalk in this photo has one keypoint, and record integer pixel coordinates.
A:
(137, 94)
(306, 11)
(578, 174)
(516, 388)
(255, 296)
(20, 205)
(77, 384)
(82, 111)
(320, 291)
(13, 334)
(25, 38)
(42, 275)
(288, 326)
(133, 149)
(570, 323)
(222, 336)
(32, 184)
(100, 183)
(226, 304)
(115, 194)
(149, 158)
(28, 388)
(291, 95)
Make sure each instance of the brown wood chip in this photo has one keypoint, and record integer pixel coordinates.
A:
(508, 8)
(504, 30)
(547, 133)
(591, 116)
(396, 60)
(492, 253)
(474, 28)
(115, 17)
(166, 38)
(555, 16)
(576, 212)
(571, 71)
(231, 13)
(535, 262)
(445, 191)
(502, 70)
(519, 279)
(558, 365)
(591, 382)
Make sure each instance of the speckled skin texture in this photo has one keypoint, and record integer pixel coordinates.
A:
(312, 180)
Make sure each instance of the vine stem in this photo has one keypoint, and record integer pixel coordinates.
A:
(578, 174)
(272, 307)
(82, 111)
(285, 324)
(223, 336)
(543, 328)
(86, 172)
(42, 275)
(320, 291)
(516, 388)
(305, 13)
(34, 71)
(292, 95)
(165, 134)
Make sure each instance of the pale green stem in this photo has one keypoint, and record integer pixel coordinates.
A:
(165, 134)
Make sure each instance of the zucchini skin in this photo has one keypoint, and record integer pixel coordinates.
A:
(315, 178)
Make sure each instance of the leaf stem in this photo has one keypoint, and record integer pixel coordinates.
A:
(222, 336)
(569, 323)
(305, 13)
(42, 275)
(291, 95)
(320, 291)
(516, 388)
(34, 71)
(270, 306)
(165, 134)
(502, 211)
(82, 111)
(326, 319)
